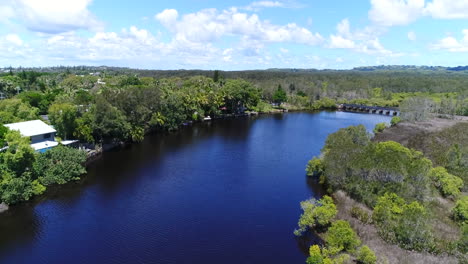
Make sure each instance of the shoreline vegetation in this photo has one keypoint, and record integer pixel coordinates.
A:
(402, 192)
(410, 190)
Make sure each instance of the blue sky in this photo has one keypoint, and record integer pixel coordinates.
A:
(233, 35)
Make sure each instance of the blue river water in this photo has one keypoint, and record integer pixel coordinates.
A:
(225, 191)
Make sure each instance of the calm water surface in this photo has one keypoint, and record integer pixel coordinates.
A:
(220, 192)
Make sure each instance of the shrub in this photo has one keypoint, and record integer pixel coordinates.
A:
(315, 167)
(324, 103)
(59, 165)
(380, 127)
(340, 150)
(395, 120)
(416, 108)
(315, 255)
(321, 256)
(388, 208)
(341, 236)
(413, 231)
(316, 213)
(366, 256)
(463, 242)
(366, 169)
(402, 223)
(460, 211)
(360, 215)
(448, 184)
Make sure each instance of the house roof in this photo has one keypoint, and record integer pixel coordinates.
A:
(44, 145)
(31, 128)
(68, 142)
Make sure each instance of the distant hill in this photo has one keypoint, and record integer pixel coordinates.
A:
(182, 72)
(403, 68)
(459, 68)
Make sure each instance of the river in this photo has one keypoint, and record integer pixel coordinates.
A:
(226, 191)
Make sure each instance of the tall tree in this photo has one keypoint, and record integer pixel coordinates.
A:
(19, 156)
(279, 96)
(63, 117)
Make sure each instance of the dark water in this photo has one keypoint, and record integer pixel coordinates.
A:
(225, 192)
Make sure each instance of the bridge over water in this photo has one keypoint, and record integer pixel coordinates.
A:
(379, 110)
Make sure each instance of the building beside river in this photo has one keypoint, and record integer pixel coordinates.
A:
(41, 134)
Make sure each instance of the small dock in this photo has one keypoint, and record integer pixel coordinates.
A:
(378, 110)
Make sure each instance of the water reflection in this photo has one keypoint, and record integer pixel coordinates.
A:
(315, 187)
(18, 226)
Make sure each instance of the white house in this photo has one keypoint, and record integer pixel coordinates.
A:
(42, 135)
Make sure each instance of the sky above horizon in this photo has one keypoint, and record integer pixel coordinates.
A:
(233, 35)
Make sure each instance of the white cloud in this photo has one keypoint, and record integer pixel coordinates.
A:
(402, 12)
(168, 17)
(412, 36)
(131, 47)
(343, 28)
(210, 25)
(452, 44)
(227, 55)
(342, 40)
(14, 39)
(12, 48)
(50, 16)
(448, 9)
(395, 12)
(283, 50)
(363, 41)
(339, 42)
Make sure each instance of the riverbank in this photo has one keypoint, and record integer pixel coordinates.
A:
(94, 153)
(408, 167)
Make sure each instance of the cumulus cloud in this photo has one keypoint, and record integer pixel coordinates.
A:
(131, 47)
(395, 12)
(50, 16)
(339, 42)
(363, 41)
(210, 25)
(452, 44)
(12, 47)
(127, 44)
(402, 12)
(168, 17)
(448, 9)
